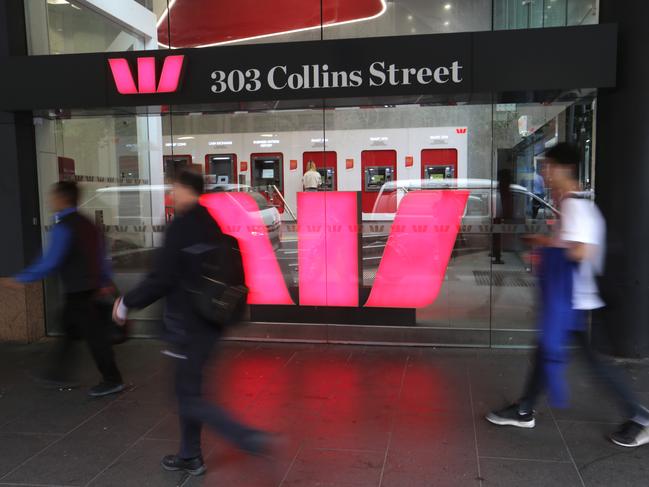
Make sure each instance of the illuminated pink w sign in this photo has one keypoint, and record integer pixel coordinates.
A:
(146, 75)
(411, 271)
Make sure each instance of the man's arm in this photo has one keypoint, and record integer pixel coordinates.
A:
(578, 251)
(51, 259)
(162, 278)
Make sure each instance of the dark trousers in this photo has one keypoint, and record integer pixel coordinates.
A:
(83, 319)
(611, 376)
(194, 410)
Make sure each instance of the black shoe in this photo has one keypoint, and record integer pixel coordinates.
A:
(105, 388)
(511, 416)
(631, 434)
(193, 466)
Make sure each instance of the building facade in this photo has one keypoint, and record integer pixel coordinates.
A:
(384, 98)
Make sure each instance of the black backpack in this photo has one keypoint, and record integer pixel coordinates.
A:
(217, 287)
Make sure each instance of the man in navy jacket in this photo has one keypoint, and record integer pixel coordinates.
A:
(191, 338)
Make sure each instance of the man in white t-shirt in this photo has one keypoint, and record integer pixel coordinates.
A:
(571, 258)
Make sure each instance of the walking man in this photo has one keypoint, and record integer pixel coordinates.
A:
(191, 338)
(77, 253)
(570, 259)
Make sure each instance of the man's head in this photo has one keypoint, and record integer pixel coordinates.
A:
(64, 194)
(562, 163)
(188, 187)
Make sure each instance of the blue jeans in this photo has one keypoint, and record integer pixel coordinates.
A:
(612, 377)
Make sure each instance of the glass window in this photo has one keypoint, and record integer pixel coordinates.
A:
(444, 195)
(109, 157)
(70, 27)
(526, 14)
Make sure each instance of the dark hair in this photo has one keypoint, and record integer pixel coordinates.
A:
(68, 190)
(192, 180)
(564, 154)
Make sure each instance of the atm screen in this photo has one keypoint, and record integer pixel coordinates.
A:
(267, 174)
(378, 179)
(439, 172)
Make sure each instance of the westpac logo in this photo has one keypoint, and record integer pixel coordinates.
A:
(410, 273)
(461, 130)
(146, 75)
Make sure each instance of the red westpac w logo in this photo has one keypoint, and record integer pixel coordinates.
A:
(411, 271)
(146, 75)
(461, 130)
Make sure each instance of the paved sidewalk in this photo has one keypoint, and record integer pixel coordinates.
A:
(351, 416)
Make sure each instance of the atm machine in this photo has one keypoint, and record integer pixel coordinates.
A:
(439, 164)
(378, 167)
(222, 168)
(267, 176)
(325, 163)
(174, 164)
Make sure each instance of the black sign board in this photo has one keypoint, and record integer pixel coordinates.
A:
(444, 64)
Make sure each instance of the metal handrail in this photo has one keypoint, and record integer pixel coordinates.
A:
(285, 203)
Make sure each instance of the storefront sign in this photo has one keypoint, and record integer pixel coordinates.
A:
(146, 75)
(315, 76)
(444, 65)
(411, 271)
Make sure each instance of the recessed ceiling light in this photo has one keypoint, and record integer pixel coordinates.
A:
(410, 17)
(447, 23)
(413, 30)
(447, 6)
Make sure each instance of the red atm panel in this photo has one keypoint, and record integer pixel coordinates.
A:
(326, 162)
(439, 163)
(267, 173)
(377, 168)
(222, 166)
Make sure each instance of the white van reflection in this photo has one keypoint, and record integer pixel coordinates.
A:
(134, 219)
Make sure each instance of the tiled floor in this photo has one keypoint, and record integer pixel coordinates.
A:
(349, 416)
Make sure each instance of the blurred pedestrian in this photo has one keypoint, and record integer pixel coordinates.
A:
(538, 189)
(77, 254)
(504, 212)
(570, 260)
(191, 337)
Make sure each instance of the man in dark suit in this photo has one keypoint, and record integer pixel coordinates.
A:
(77, 254)
(191, 337)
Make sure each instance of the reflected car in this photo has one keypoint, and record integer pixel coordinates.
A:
(269, 214)
(483, 206)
